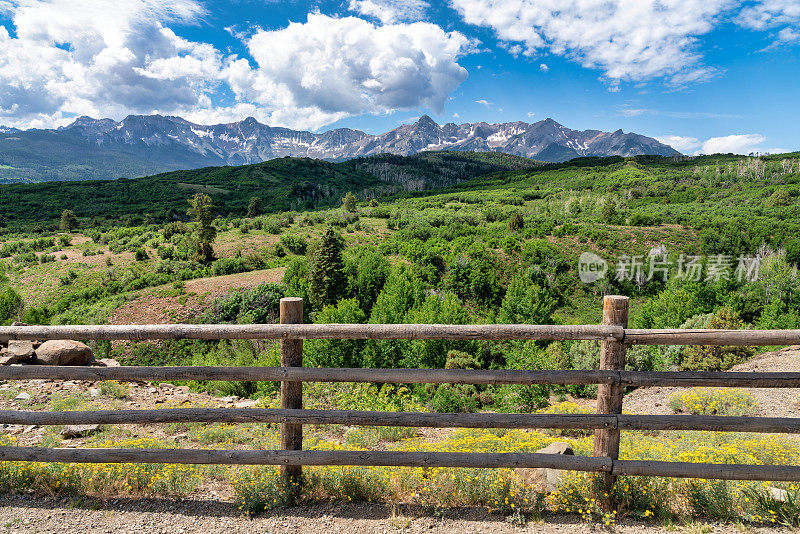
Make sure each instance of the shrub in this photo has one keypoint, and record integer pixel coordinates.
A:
(114, 389)
(293, 243)
(530, 357)
(336, 352)
(10, 303)
(141, 255)
(455, 398)
(349, 202)
(711, 401)
(713, 357)
(174, 228)
(527, 303)
(259, 305)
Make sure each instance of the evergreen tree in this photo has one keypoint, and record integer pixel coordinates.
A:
(68, 221)
(516, 222)
(202, 211)
(609, 212)
(349, 202)
(255, 208)
(327, 282)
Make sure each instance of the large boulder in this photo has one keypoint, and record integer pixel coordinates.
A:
(542, 478)
(64, 352)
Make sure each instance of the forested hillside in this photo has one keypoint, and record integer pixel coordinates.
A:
(281, 184)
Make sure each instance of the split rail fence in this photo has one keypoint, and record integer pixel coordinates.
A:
(612, 378)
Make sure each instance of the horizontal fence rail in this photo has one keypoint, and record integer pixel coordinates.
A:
(596, 464)
(407, 419)
(612, 378)
(408, 376)
(406, 331)
(313, 331)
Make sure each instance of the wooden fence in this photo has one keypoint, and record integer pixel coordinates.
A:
(612, 378)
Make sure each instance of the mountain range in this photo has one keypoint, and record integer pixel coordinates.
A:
(148, 144)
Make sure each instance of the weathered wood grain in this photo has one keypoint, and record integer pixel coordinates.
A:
(312, 331)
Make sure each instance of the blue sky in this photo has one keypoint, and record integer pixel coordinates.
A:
(701, 75)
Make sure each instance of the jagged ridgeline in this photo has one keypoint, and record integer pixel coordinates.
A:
(282, 184)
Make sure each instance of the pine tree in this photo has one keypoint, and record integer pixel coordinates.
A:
(68, 221)
(255, 208)
(202, 210)
(349, 202)
(327, 282)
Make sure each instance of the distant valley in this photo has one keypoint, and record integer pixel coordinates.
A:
(142, 145)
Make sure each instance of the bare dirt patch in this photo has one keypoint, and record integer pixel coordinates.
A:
(772, 402)
(205, 513)
(158, 306)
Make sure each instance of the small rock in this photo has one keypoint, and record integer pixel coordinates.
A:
(541, 478)
(94, 392)
(152, 390)
(248, 403)
(232, 398)
(23, 396)
(79, 431)
(108, 362)
(7, 360)
(778, 494)
(20, 350)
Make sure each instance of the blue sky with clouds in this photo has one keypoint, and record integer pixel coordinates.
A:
(701, 75)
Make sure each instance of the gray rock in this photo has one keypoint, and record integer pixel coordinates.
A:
(107, 362)
(20, 350)
(541, 478)
(64, 352)
(248, 403)
(778, 494)
(23, 396)
(78, 431)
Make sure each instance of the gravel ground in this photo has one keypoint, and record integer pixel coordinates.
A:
(772, 402)
(23, 513)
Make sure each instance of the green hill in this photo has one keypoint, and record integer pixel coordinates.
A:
(282, 184)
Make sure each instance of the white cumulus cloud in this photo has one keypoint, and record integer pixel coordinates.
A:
(736, 144)
(111, 58)
(329, 68)
(679, 143)
(626, 39)
(770, 14)
(391, 11)
(100, 58)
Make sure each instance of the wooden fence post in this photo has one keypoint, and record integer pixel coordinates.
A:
(609, 396)
(292, 392)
